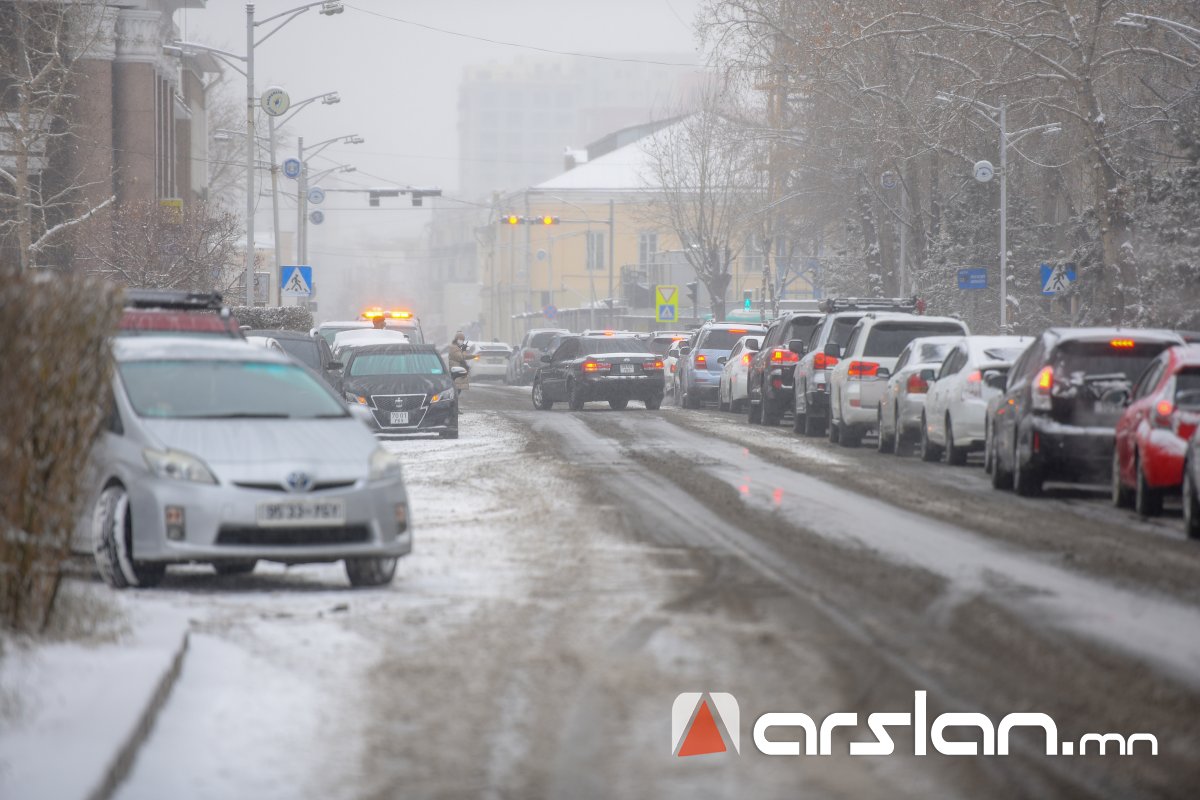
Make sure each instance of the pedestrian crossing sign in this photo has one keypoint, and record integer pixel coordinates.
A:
(295, 281)
(666, 303)
(1056, 278)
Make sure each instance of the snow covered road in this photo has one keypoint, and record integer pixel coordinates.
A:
(573, 573)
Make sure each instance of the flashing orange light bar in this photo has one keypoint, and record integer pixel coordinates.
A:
(1121, 344)
(401, 314)
(373, 313)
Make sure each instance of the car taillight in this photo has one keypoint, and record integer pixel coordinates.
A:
(822, 361)
(1121, 344)
(863, 369)
(1042, 385)
(652, 365)
(1164, 410)
(596, 366)
(1185, 425)
(701, 361)
(529, 355)
(781, 355)
(974, 386)
(745, 358)
(916, 384)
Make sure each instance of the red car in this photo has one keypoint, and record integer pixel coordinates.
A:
(156, 312)
(1153, 432)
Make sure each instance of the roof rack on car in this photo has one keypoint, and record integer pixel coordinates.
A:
(175, 300)
(833, 304)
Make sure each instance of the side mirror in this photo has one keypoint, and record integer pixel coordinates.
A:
(883, 372)
(335, 365)
(995, 379)
(929, 375)
(798, 346)
(1116, 398)
(546, 357)
(683, 351)
(458, 372)
(753, 345)
(723, 360)
(833, 350)
(362, 414)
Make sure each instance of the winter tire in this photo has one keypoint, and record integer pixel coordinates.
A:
(370, 571)
(798, 422)
(112, 544)
(834, 431)
(754, 413)
(1191, 504)
(1122, 496)
(1147, 501)
(955, 456)
(886, 444)
(770, 415)
(851, 436)
(929, 451)
(814, 425)
(654, 403)
(540, 401)
(1027, 480)
(575, 399)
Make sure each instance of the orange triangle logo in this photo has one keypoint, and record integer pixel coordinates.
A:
(703, 737)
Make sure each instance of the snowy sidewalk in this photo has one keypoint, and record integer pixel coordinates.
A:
(73, 714)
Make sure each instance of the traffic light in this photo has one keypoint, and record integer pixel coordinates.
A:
(748, 299)
(548, 220)
(511, 219)
(694, 291)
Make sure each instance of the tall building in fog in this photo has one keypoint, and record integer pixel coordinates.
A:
(516, 119)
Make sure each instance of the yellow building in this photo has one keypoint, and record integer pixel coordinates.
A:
(607, 241)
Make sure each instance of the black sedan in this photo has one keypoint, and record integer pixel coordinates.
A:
(586, 368)
(407, 388)
(312, 351)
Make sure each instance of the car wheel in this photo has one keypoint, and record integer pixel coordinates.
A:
(1147, 501)
(929, 451)
(370, 571)
(540, 401)
(851, 436)
(1001, 478)
(814, 425)
(835, 432)
(798, 422)
(618, 405)
(235, 567)
(1191, 504)
(722, 404)
(575, 399)
(737, 406)
(886, 444)
(770, 414)
(955, 456)
(987, 449)
(1122, 496)
(112, 543)
(754, 413)
(654, 402)
(1027, 481)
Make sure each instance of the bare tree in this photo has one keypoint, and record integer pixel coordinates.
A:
(705, 171)
(39, 204)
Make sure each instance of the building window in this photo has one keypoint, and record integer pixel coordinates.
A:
(647, 248)
(595, 250)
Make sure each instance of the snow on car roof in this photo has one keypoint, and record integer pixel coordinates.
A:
(191, 347)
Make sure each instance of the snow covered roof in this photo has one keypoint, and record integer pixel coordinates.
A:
(626, 169)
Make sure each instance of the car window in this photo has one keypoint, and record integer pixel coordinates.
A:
(203, 389)
(802, 328)
(614, 344)
(1104, 358)
(720, 338)
(887, 339)
(1148, 379)
(842, 327)
(542, 340)
(947, 367)
(1004, 354)
(903, 359)
(1187, 389)
(566, 351)
(370, 364)
(931, 351)
(304, 350)
(852, 342)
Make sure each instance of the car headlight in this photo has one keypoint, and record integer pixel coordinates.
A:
(443, 397)
(383, 465)
(351, 397)
(177, 465)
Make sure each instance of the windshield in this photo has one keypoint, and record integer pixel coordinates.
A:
(839, 334)
(1005, 355)
(328, 334)
(542, 340)
(622, 344)
(1101, 358)
(303, 350)
(660, 346)
(934, 351)
(887, 339)
(225, 389)
(396, 364)
(725, 339)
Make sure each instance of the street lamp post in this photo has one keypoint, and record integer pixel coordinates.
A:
(302, 188)
(998, 116)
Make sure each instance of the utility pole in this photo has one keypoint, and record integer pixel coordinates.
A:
(612, 236)
(251, 143)
(1003, 216)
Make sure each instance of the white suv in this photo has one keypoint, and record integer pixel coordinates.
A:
(866, 363)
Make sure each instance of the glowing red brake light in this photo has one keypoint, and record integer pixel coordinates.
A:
(701, 361)
(740, 331)
(1121, 344)
(745, 358)
(652, 365)
(596, 366)
(781, 355)
(822, 361)
(916, 384)
(1042, 385)
(1163, 412)
(863, 369)
(1045, 379)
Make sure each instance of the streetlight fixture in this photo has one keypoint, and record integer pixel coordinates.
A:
(998, 116)
(328, 8)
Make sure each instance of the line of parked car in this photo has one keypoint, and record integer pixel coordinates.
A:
(1080, 405)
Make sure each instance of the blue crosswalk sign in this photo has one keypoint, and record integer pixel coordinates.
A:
(666, 313)
(295, 281)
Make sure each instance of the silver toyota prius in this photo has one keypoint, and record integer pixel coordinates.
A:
(223, 453)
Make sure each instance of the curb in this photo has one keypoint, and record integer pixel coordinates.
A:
(121, 764)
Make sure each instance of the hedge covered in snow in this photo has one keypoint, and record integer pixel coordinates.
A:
(272, 318)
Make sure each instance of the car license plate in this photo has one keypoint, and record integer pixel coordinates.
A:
(627, 369)
(399, 417)
(495, 360)
(291, 513)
